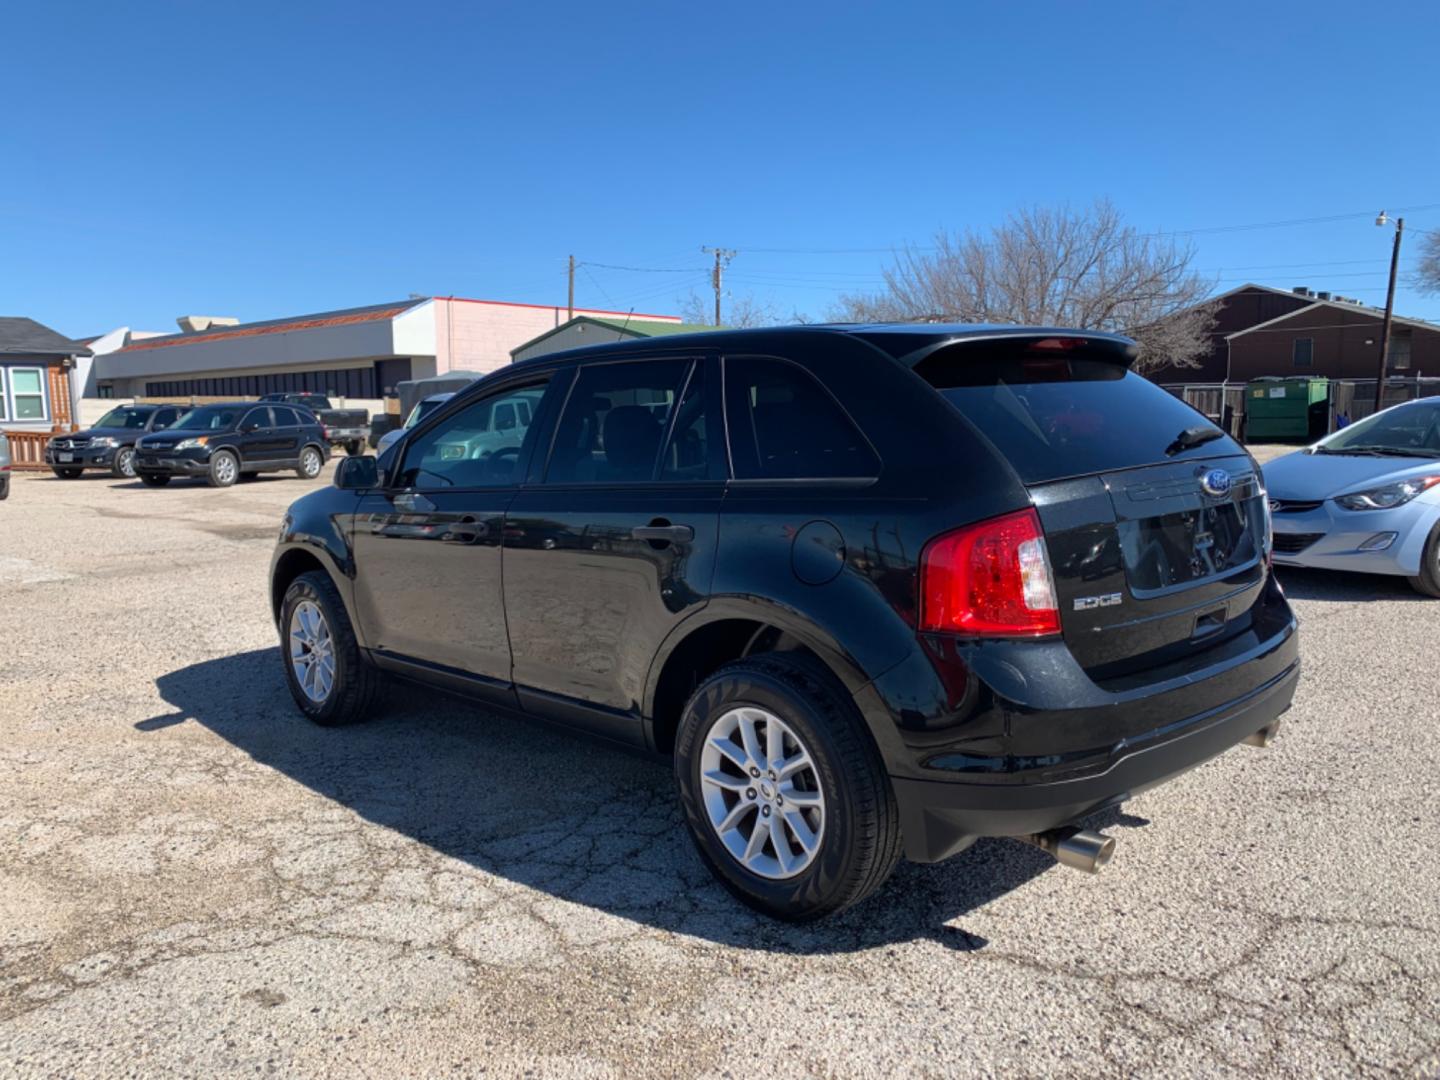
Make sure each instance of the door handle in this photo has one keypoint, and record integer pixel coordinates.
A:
(663, 532)
(413, 503)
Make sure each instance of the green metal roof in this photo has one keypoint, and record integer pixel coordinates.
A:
(649, 328)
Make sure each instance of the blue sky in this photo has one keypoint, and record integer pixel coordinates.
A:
(262, 160)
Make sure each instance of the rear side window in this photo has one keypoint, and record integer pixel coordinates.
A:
(615, 421)
(785, 426)
(285, 417)
(1053, 412)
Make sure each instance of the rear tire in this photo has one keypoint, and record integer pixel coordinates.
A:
(310, 464)
(355, 447)
(66, 473)
(850, 810)
(350, 693)
(224, 469)
(1427, 582)
(150, 479)
(124, 464)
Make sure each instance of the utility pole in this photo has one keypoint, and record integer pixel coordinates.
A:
(570, 303)
(1389, 310)
(722, 260)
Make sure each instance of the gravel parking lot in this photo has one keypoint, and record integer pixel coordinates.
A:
(195, 882)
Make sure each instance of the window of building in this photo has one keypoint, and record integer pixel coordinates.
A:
(4, 396)
(27, 394)
(1303, 352)
(1399, 353)
(784, 425)
(614, 422)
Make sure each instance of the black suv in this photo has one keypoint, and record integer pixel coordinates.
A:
(110, 444)
(874, 589)
(224, 442)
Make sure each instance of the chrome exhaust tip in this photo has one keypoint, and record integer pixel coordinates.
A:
(1079, 849)
(1265, 736)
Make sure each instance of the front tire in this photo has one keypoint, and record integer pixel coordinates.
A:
(328, 678)
(156, 480)
(310, 464)
(1427, 582)
(784, 790)
(124, 464)
(224, 469)
(66, 473)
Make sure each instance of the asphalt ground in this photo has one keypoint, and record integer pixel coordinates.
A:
(194, 882)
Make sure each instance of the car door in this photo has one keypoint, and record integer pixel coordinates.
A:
(613, 542)
(256, 436)
(427, 546)
(288, 433)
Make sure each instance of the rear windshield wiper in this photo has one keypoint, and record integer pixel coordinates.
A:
(1192, 437)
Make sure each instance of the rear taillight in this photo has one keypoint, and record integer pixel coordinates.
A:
(991, 579)
(324, 432)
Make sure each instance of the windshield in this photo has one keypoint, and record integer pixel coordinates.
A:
(125, 417)
(209, 418)
(1404, 431)
(422, 410)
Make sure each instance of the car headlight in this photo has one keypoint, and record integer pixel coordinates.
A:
(1389, 496)
(192, 444)
(103, 443)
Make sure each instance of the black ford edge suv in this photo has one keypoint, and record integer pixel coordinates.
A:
(221, 443)
(873, 589)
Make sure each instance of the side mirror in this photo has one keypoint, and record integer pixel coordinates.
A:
(357, 473)
(249, 426)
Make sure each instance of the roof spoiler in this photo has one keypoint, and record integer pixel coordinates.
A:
(1044, 342)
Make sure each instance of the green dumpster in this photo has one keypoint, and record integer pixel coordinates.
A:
(1285, 410)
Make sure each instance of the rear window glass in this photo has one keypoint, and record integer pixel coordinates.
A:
(1059, 415)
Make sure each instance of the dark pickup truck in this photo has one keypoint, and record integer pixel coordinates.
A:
(343, 427)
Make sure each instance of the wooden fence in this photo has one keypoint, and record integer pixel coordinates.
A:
(27, 449)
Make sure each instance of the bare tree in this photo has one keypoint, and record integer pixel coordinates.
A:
(1427, 272)
(740, 312)
(1085, 269)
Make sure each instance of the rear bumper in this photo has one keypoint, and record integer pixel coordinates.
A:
(939, 818)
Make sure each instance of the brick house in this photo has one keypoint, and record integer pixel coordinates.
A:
(1238, 309)
(1335, 340)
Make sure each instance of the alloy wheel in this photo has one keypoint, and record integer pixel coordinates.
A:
(310, 463)
(312, 651)
(125, 461)
(762, 792)
(225, 469)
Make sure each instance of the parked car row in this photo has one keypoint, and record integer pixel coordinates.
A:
(219, 443)
(871, 590)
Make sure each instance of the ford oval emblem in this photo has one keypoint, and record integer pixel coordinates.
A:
(1215, 483)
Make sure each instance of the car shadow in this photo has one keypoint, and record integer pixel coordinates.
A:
(581, 821)
(1338, 586)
